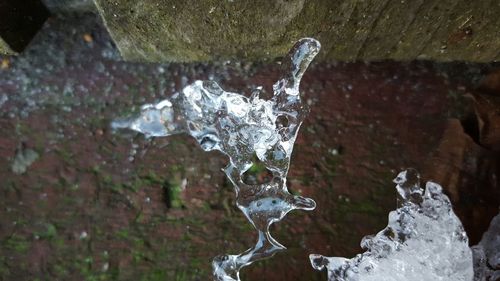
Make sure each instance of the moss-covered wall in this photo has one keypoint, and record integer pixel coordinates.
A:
(189, 30)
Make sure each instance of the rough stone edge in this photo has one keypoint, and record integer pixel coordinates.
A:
(5, 48)
(426, 50)
(69, 6)
(100, 11)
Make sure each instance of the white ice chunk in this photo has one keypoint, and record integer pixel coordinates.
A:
(424, 240)
(487, 254)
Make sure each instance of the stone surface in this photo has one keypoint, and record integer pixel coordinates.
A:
(65, 6)
(98, 206)
(487, 109)
(5, 49)
(348, 29)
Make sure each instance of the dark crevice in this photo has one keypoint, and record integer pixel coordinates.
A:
(471, 127)
(20, 20)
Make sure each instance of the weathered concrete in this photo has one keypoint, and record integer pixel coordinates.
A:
(5, 49)
(69, 6)
(174, 30)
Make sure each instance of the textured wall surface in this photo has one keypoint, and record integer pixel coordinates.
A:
(81, 202)
(179, 30)
(67, 6)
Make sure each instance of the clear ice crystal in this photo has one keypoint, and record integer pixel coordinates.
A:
(424, 240)
(487, 254)
(243, 128)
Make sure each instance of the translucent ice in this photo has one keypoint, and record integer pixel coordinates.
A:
(424, 240)
(245, 129)
(487, 254)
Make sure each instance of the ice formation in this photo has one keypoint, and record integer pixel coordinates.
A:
(424, 240)
(487, 254)
(243, 128)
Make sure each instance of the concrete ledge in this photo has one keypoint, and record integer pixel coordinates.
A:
(179, 30)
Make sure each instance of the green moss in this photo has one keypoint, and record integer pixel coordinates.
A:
(4, 269)
(123, 234)
(106, 181)
(148, 180)
(257, 167)
(50, 232)
(9, 186)
(58, 242)
(60, 270)
(155, 275)
(332, 163)
(177, 30)
(172, 187)
(18, 244)
(173, 192)
(196, 31)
